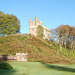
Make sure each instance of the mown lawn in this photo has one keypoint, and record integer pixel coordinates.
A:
(37, 68)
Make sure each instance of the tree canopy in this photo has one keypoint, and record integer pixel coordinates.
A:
(9, 24)
(65, 35)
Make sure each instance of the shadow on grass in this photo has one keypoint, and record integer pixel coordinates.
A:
(6, 68)
(7, 72)
(60, 68)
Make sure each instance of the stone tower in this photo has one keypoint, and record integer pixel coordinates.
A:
(33, 28)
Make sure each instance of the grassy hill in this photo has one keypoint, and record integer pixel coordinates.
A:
(37, 49)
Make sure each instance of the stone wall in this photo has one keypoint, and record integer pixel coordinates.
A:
(8, 57)
(21, 56)
(17, 57)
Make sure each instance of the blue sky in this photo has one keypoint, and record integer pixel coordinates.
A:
(52, 12)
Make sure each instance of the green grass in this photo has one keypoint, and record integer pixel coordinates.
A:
(37, 68)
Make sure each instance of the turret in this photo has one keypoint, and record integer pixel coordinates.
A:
(30, 20)
(36, 18)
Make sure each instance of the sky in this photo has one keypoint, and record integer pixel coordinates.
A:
(53, 13)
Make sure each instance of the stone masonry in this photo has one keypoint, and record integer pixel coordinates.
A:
(33, 28)
(21, 56)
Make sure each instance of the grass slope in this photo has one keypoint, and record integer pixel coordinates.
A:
(36, 68)
(37, 49)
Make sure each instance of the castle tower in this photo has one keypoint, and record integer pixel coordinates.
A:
(33, 28)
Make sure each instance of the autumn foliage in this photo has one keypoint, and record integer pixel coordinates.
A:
(38, 49)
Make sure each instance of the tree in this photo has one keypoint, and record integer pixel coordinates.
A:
(40, 31)
(72, 34)
(9, 24)
(65, 35)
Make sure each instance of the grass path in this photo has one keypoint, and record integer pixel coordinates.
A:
(37, 68)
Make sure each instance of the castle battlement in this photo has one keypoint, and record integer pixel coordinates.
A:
(21, 56)
(33, 28)
(21, 53)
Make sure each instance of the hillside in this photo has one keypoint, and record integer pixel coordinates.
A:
(37, 49)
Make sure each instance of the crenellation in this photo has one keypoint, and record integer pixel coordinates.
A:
(21, 56)
(21, 53)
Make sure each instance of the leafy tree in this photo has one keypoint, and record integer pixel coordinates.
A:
(1, 13)
(40, 31)
(72, 36)
(65, 35)
(9, 24)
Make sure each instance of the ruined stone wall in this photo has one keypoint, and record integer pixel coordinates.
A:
(8, 57)
(17, 57)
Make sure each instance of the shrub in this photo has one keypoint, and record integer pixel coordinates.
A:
(21, 38)
(5, 66)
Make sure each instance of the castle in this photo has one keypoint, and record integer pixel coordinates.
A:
(33, 28)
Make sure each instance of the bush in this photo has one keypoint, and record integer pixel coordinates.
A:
(21, 38)
(5, 66)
